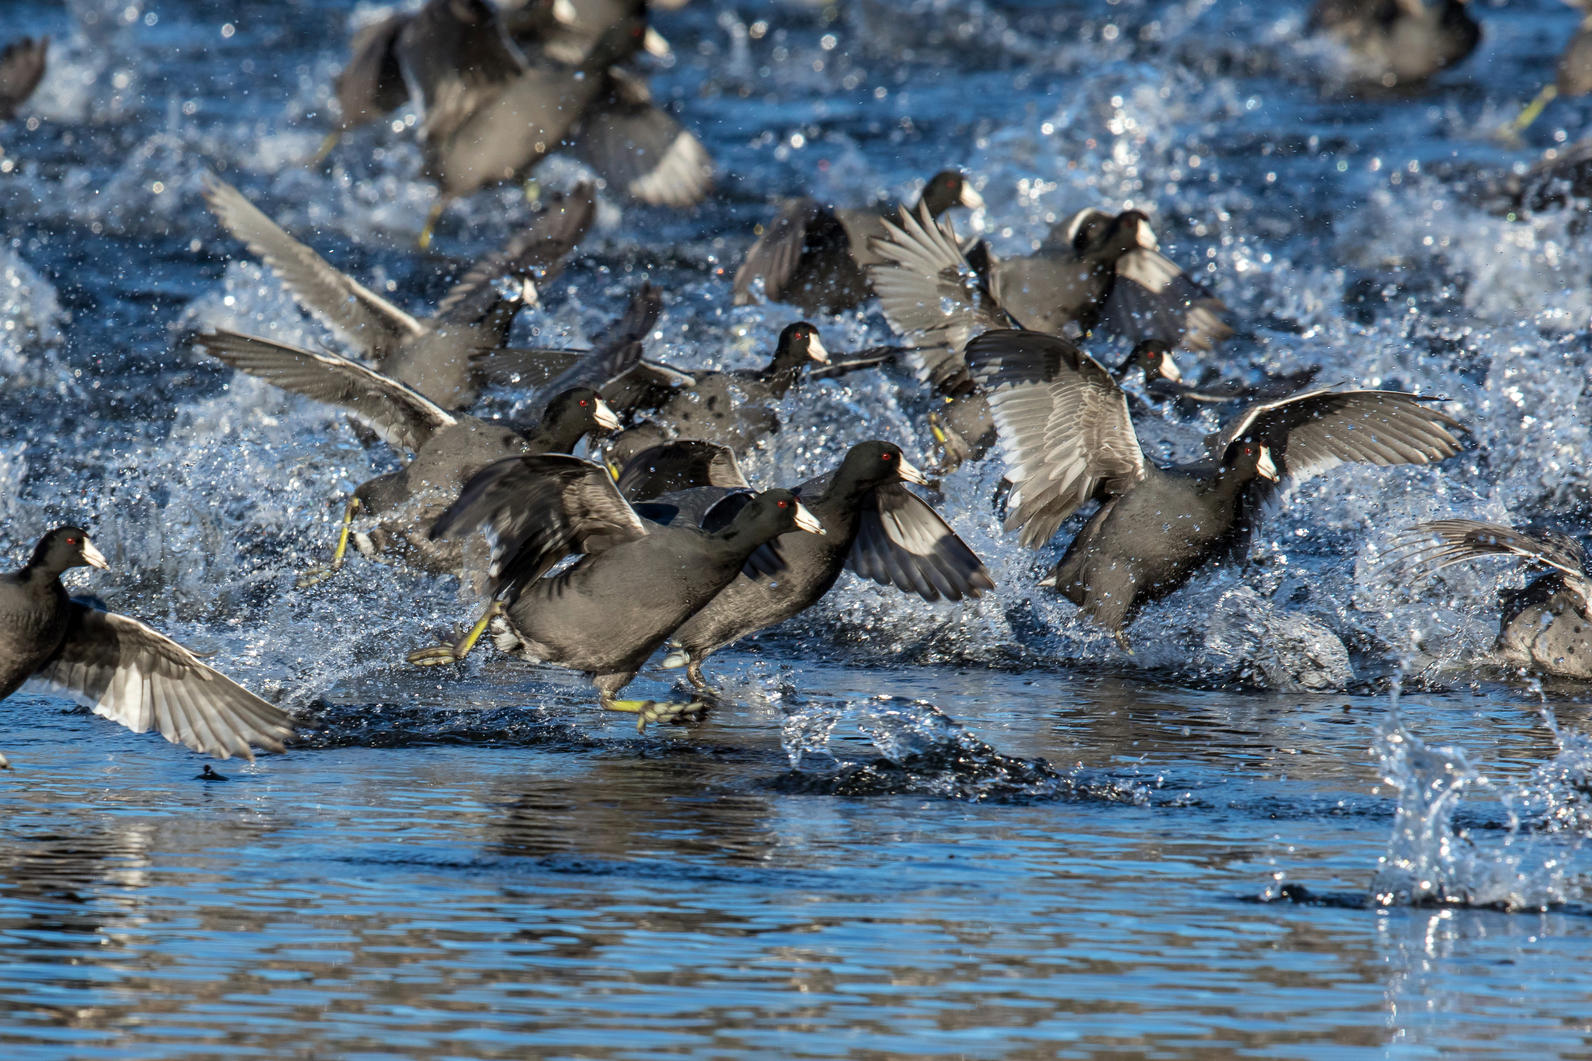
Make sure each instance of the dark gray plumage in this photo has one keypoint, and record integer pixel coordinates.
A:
(1163, 380)
(1548, 623)
(731, 408)
(22, 66)
(680, 465)
(638, 583)
(491, 114)
(1399, 42)
(873, 525)
(1068, 439)
(447, 355)
(372, 84)
(398, 508)
(121, 668)
(815, 257)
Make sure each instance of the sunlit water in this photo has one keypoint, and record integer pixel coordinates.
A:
(1310, 815)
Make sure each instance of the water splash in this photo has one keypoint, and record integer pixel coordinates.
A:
(1432, 861)
(921, 751)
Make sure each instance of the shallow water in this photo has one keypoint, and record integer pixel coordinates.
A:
(1310, 815)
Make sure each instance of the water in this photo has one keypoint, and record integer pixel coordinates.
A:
(1311, 815)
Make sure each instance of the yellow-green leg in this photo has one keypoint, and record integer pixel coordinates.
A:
(430, 226)
(437, 655)
(654, 710)
(321, 574)
(331, 141)
(1533, 110)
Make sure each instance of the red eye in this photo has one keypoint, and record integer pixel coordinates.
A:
(71, 541)
(584, 403)
(783, 504)
(885, 456)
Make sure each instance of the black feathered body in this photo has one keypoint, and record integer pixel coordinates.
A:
(1149, 541)
(405, 503)
(812, 564)
(595, 616)
(33, 619)
(1543, 627)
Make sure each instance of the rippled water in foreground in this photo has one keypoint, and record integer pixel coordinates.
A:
(1311, 815)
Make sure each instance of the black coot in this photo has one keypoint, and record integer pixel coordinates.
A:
(118, 666)
(1068, 439)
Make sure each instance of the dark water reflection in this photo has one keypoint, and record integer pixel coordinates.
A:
(441, 900)
(1065, 855)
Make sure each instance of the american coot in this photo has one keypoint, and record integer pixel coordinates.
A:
(1163, 381)
(874, 526)
(684, 464)
(730, 408)
(1547, 624)
(815, 257)
(447, 448)
(22, 65)
(1109, 277)
(1068, 439)
(445, 356)
(1399, 42)
(118, 666)
(490, 114)
(638, 582)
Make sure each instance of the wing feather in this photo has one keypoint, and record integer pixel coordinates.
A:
(537, 510)
(401, 415)
(931, 296)
(902, 541)
(143, 680)
(334, 297)
(1064, 427)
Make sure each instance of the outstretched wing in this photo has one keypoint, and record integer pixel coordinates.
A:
(537, 254)
(901, 541)
(537, 510)
(1152, 298)
(1426, 548)
(1315, 432)
(931, 296)
(143, 680)
(401, 415)
(334, 297)
(641, 150)
(773, 258)
(1064, 427)
(617, 351)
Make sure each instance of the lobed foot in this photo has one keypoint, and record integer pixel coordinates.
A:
(316, 575)
(656, 710)
(435, 656)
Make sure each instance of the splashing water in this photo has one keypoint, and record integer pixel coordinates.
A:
(1432, 861)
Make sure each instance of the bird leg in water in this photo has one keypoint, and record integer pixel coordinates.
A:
(654, 710)
(333, 138)
(437, 655)
(1122, 641)
(679, 657)
(430, 226)
(952, 444)
(1533, 110)
(321, 574)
